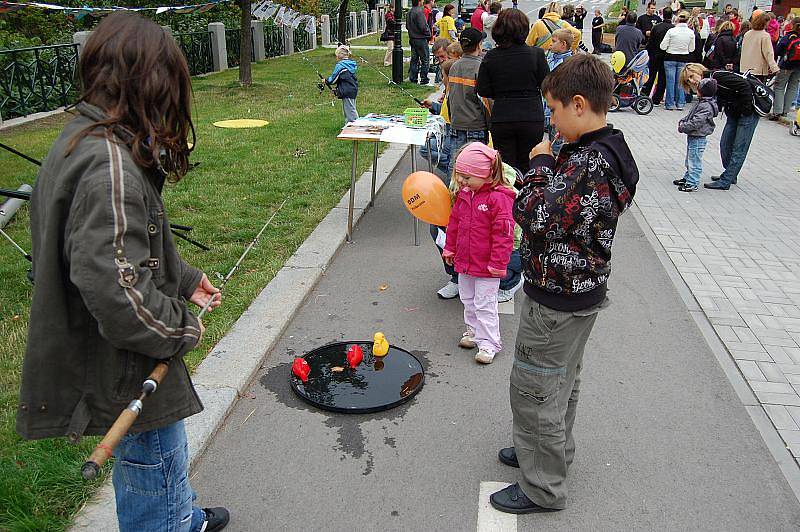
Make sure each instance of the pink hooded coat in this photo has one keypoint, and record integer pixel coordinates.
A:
(480, 233)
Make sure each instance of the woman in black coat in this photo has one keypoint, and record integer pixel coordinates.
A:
(721, 51)
(511, 74)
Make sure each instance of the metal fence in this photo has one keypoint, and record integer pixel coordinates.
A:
(196, 47)
(360, 29)
(302, 40)
(233, 44)
(37, 79)
(274, 45)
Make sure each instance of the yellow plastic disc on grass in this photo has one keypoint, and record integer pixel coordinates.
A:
(241, 123)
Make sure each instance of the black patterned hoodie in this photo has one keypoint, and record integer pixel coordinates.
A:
(568, 210)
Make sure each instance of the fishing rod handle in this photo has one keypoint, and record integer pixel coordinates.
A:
(105, 449)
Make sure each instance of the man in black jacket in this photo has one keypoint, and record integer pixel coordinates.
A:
(656, 65)
(419, 33)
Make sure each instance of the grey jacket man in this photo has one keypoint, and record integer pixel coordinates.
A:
(700, 120)
(416, 24)
(109, 292)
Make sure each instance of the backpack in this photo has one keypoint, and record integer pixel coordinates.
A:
(762, 96)
(792, 54)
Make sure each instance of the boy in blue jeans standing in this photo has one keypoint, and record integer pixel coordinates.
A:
(697, 126)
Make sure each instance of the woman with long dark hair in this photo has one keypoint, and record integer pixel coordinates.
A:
(110, 293)
(511, 74)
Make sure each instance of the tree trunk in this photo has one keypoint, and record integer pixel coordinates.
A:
(245, 46)
(343, 16)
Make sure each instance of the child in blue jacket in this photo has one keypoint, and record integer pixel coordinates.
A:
(346, 83)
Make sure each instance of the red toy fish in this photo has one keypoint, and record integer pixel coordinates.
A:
(354, 355)
(301, 369)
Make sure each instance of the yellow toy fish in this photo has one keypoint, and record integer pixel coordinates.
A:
(381, 346)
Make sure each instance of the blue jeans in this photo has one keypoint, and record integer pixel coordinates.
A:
(734, 144)
(458, 139)
(420, 58)
(675, 95)
(695, 146)
(151, 482)
(442, 154)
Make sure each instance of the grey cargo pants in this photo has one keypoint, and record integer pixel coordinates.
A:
(545, 383)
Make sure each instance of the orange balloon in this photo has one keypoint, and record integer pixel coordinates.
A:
(426, 198)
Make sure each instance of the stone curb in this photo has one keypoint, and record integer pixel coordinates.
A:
(228, 368)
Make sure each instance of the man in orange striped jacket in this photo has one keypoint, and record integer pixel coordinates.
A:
(469, 114)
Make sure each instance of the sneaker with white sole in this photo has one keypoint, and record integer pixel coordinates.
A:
(484, 356)
(508, 295)
(448, 291)
(467, 340)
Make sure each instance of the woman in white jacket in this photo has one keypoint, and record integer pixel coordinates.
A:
(678, 43)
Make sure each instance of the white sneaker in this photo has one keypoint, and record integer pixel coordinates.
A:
(484, 357)
(467, 340)
(508, 295)
(448, 291)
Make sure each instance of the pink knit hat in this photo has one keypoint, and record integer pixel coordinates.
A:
(476, 159)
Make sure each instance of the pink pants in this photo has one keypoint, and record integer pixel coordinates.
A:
(479, 296)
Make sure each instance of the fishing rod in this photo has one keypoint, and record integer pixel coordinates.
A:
(323, 81)
(17, 246)
(105, 449)
(15, 152)
(390, 80)
(174, 228)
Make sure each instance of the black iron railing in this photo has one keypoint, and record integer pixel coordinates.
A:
(274, 44)
(37, 79)
(302, 39)
(196, 47)
(350, 29)
(233, 44)
(360, 29)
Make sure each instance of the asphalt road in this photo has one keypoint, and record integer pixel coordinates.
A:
(663, 443)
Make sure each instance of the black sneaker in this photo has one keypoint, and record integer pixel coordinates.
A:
(512, 500)
(687, 188)
(508, 456)
(679, 182)
(716, 186)
(715, 177)
(216, 519)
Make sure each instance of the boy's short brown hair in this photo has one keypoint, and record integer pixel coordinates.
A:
(564, 35)
(582, 74)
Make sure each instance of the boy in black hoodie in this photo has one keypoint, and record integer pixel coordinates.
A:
(568, 210)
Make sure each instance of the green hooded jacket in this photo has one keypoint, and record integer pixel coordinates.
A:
(109, 293)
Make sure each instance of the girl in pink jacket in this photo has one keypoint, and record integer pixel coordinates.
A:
(480, 237)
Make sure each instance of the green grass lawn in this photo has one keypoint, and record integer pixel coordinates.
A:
(242, 177)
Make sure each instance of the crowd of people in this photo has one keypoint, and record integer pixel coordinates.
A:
(764, 45)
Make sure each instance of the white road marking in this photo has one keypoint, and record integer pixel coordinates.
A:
(489, 519)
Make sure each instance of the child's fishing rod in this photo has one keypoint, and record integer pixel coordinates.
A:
(323, 81)
(105, 449)
(390, 80)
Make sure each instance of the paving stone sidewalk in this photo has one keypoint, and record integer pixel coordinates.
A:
(737, 250)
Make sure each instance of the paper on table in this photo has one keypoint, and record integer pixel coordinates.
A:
(404, 135)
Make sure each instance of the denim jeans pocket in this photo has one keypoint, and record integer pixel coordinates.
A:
(143, 479)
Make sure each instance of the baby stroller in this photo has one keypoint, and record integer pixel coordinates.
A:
(629, 80)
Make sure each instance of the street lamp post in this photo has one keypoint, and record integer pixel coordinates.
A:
(397, 52)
